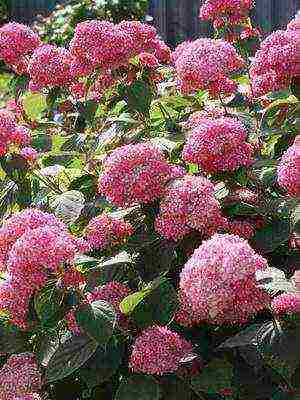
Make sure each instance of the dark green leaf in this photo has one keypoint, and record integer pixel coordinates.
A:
(272, 236)
(97, 319)
(138, 387)
(69, 357)
(12, 340)
(215, 376)
(102, 365)
(47, 304)
(42, 142)
(176, 389)
(158, 307)
(139, 97)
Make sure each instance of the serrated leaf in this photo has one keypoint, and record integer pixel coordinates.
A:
(129, 303)
(69, 357)
(272, 236)
(138, 387)
(34, 105)
(68, 206)
(98, 320)
(139, 97)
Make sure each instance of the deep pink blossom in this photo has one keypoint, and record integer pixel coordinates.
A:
(50, 66)
(158, 351)
(105, 231)
(287, 303)
(218, 145)
(218, 282)
(204, 63)
(212, 9)
(135, 174)
(288, 171)
(20, 377)
(276, 62)
(29, 154)
(189, 203)
(17, 42)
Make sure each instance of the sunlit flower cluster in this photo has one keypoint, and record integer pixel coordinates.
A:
(218, 145)
(189, 203)
(135, 174)
(288, 172)
(20, 378)
(11, 133)
(276, 62)
(206, 64)
(158, 351)
(218, 282)
(105, 231)
(17, 43)
(287, 303)
(34, 247)
(235, 9)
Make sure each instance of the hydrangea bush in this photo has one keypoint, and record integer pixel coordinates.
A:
(149, 203)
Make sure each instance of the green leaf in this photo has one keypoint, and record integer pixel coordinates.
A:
(69, 357)
(42, 142)
(158, 307)
(129, 303)
(97, 319)
(272, 236)
(68, 206)
(102, 365)
(176, 389)
(139, 97)
(12, 340)
(215, 376)
(138, 387)
(34, 105)
(47, 305)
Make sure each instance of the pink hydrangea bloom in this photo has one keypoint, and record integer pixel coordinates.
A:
(11, 132)
(202, 63)
(158, 351)
(189, 203)
(112, 293)
(31, 254)
(102, 44)
(102, 83)
(218, 145)
(288, 303)
(148, 60)
(198, 117)
(50, 66)
(17, 42)
(105, 231)
(275, 63)
(29, 154)
(288, 171)
(218, 282)
(242, 228)
(20, 377)
(212, 9)
(135, 174)
(22, 222)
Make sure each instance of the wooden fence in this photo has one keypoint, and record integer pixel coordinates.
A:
(177, 19)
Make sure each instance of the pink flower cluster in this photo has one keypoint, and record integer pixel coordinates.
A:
(105, 231)
(198, 117)
(113, 293)
(104, 45)
(20, 378)
(218, 145)
(276, 62)
(242, 227)
(17, 43)
(216, 9)
(218, 283)
(206, 64)
(288, 171)
(11, 132)
(49, 66)
(288, 303)
(34, 247)
(158, 351)
(189, 203)
(135, 174)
